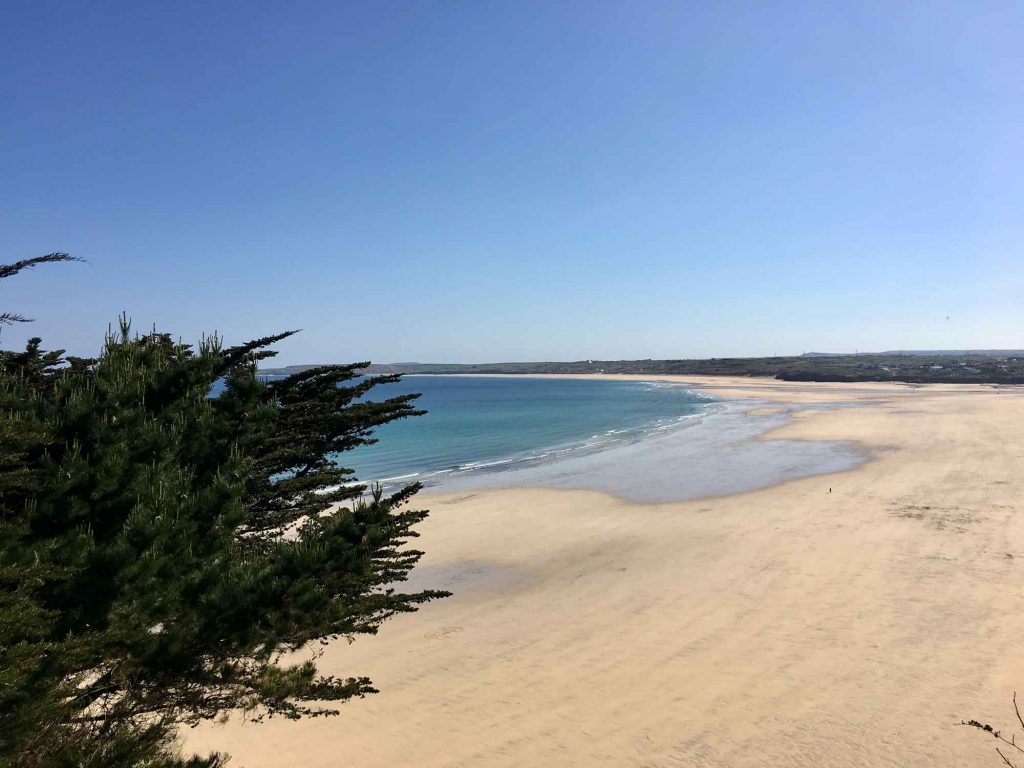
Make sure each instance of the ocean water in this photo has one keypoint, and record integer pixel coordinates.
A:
(643, 441)
(489, 426)
(721, 452)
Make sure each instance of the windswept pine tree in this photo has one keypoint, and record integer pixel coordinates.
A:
(161, 548)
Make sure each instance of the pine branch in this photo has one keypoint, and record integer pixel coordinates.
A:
(166, 546)
(8, 270)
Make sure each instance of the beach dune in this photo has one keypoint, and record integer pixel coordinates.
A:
(847, 619)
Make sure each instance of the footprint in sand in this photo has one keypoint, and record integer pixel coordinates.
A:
(442, 632)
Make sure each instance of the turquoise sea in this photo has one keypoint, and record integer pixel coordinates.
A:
(643, 441)
(483, 425)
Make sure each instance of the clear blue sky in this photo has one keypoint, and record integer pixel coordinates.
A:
(471, 181)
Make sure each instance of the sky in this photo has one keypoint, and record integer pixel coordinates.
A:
(495, 181)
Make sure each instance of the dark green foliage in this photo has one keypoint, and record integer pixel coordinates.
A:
(160, 549)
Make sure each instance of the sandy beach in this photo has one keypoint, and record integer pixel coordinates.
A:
(843, 619)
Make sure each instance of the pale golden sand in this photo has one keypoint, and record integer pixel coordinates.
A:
(784, 627)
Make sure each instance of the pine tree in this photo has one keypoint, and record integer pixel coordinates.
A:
(162, 548)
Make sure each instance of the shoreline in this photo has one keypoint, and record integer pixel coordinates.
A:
(724, 451)
(636, 468)
(785, 391)
(547, 425)
(785, 626)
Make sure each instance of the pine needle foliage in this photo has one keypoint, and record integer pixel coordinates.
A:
(163, 549)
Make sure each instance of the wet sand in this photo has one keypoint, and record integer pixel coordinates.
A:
(716, 453)
(842, 619)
